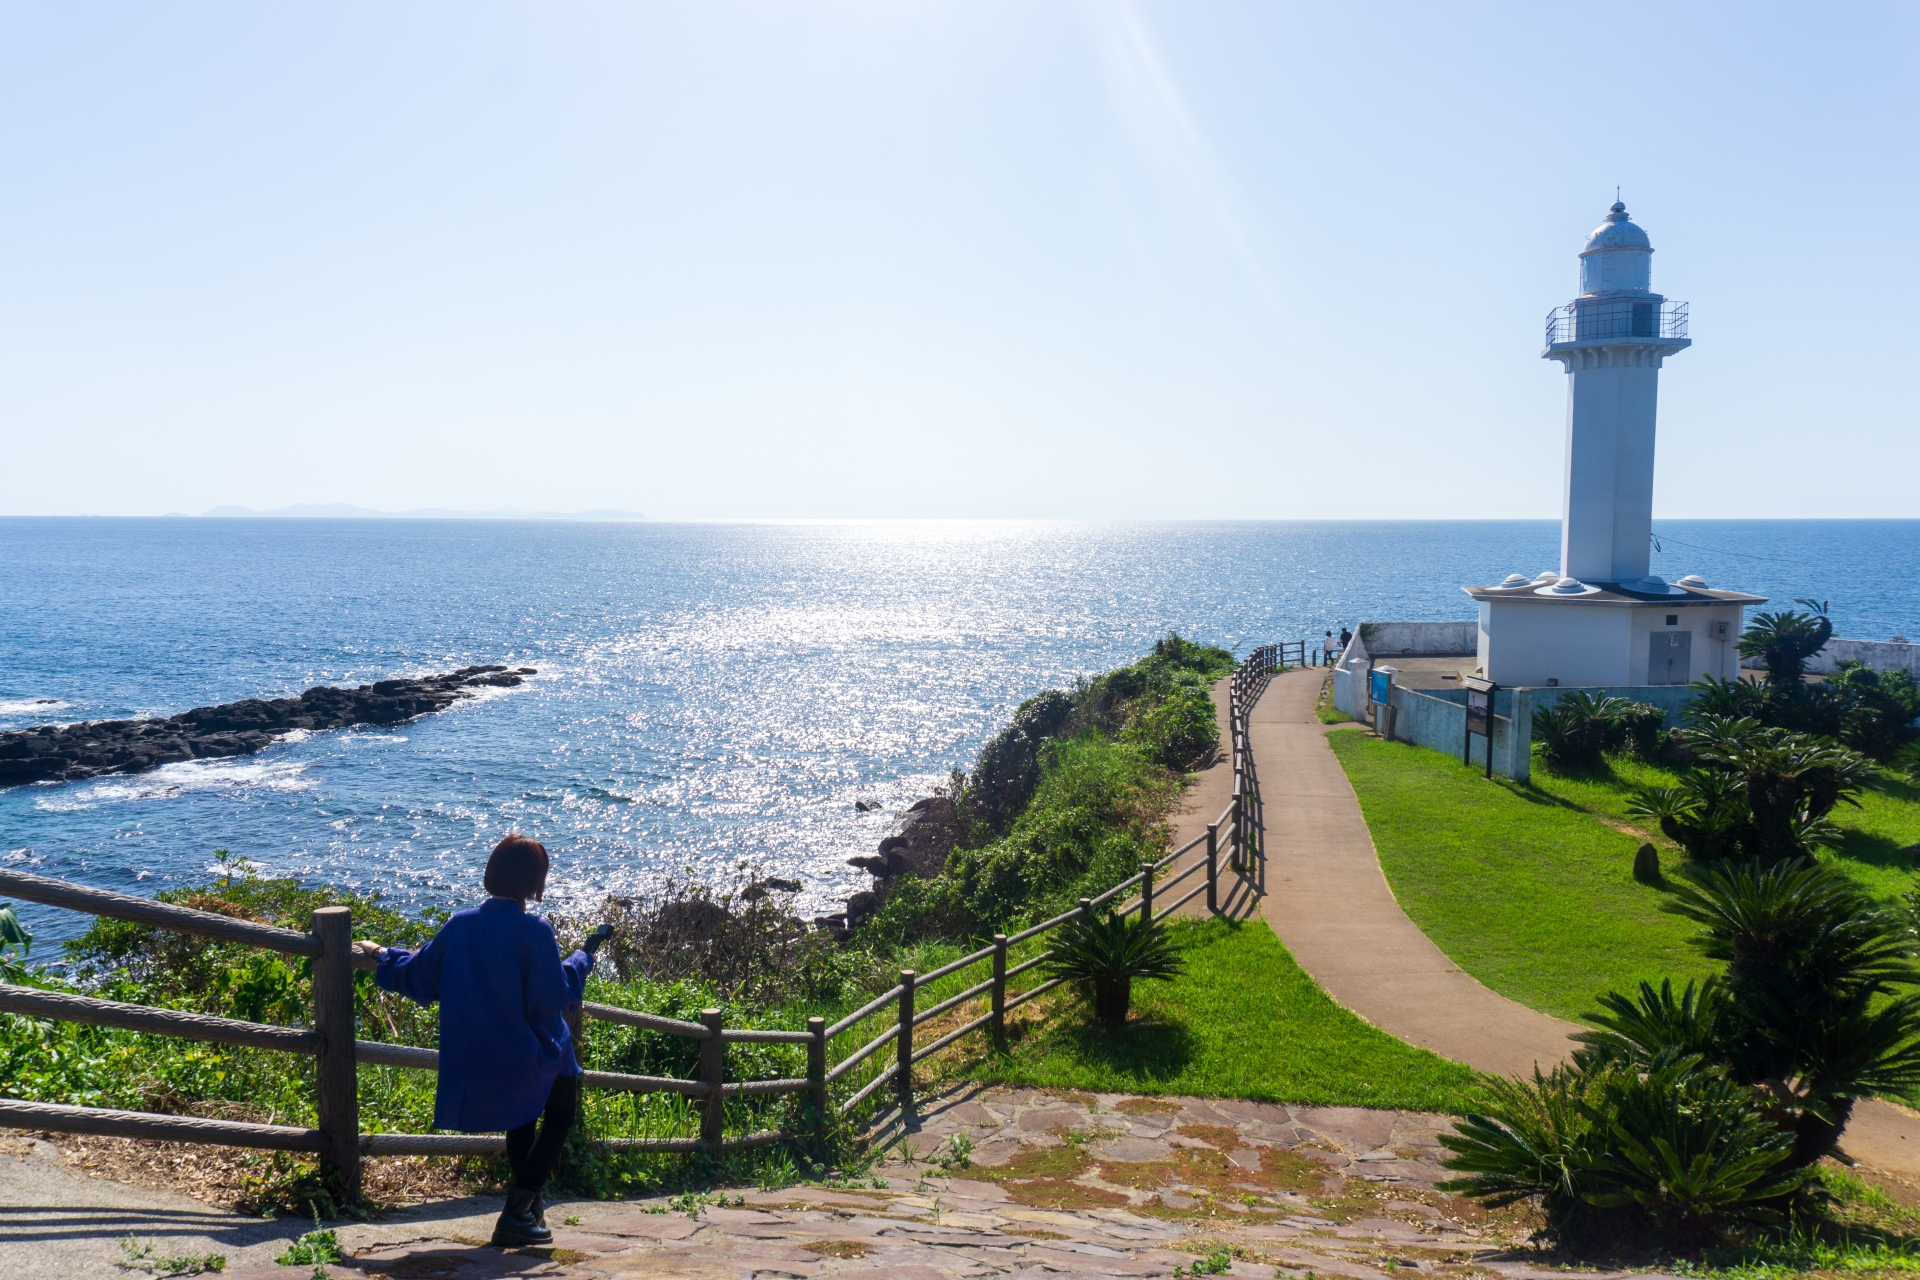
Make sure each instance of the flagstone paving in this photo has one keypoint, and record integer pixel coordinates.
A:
(1001, 1184)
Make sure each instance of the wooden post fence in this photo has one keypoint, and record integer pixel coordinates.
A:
(998, 1025)
(336, 1085)
(713, 1073)
(817, 1074)
(903, 1076)
(1146, 893)
(1213, 866)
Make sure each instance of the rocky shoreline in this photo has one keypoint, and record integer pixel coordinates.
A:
(66, 753)
(918, 846)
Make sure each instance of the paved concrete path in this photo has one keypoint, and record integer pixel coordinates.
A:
(1330, 903)
(1059, 1184)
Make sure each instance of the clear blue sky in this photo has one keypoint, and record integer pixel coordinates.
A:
(939, 259)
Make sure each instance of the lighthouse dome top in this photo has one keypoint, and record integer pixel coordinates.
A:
(1618, 257)
(1618, 232)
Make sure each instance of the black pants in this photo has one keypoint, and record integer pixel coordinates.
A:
(532, 1158)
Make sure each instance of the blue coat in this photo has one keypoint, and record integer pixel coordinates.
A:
(502, 988)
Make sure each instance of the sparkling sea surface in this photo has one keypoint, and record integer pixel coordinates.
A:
(707, 692)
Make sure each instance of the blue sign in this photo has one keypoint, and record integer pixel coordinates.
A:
(1380, 686)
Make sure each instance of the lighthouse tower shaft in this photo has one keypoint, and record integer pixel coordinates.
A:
(1612, 341)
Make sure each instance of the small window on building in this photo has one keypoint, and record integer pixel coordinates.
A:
(1673, 619)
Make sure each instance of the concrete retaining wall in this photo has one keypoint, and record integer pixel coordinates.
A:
(1437, 718)
(1373, 641)
(1420, 639)
(1881, 655)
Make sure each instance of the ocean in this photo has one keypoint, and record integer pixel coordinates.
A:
(708, 694)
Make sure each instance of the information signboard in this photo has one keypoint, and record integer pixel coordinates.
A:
(1479, 717)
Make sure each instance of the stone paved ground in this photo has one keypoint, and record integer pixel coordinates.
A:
(1057, 1185)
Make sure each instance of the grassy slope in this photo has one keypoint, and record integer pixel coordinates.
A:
(1530, 888)
(1528, 894)
(1245, 1022)
(1880, 849)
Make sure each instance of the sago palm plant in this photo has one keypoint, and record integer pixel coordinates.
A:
(1104, 954)
(1818, 1009)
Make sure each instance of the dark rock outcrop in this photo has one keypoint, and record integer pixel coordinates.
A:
(65, 753)
(918, 846)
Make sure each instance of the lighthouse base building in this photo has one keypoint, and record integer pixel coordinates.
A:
(1602, 622)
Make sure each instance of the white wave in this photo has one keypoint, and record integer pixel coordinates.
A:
(29, 706)
(185, 776)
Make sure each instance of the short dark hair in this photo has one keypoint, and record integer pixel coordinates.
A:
(517, 869)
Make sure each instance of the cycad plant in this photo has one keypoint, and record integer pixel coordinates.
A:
(1103, 954)
(1578, 727)
(1818, 1009)
(1784, 640)
(1608, 1148)
(1706, 1110)
(1759, 793)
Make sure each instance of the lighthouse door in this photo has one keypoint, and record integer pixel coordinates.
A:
(1669, 655)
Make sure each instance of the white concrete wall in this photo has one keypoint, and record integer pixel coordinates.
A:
(1413, 639)
(1716, 632)
(1881, 655)
(1567, 643)
(1593, 645)
(1392, 640)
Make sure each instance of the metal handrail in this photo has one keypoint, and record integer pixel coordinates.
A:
(1613, 319)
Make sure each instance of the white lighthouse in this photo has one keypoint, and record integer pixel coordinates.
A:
(1602, 621)
(1612, 339)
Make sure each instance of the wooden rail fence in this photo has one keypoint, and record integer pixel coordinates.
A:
(332, 1039)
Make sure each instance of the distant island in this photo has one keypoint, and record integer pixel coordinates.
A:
(346, 511)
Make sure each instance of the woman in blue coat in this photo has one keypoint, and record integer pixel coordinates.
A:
(506, 1055)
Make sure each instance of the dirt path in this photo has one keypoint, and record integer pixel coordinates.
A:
(1057, 1185)
(1207, 795)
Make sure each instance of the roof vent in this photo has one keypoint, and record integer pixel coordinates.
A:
(1515, 580)
(1693, 582)
(1566, 587)
(1545, 576)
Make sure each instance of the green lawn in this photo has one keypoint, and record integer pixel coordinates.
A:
(1528, 893)
(1880, 848)
(1529, 887)
(1245, 1022)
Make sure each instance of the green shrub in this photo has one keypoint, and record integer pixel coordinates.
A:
(1875, 709)
(1008, 770)
(1096, 816)
(13, 938)
(1638, 729)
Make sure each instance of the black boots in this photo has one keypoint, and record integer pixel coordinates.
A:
(519, 1226)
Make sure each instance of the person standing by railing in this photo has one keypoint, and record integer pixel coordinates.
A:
(1328, 648)
(506, 1054)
